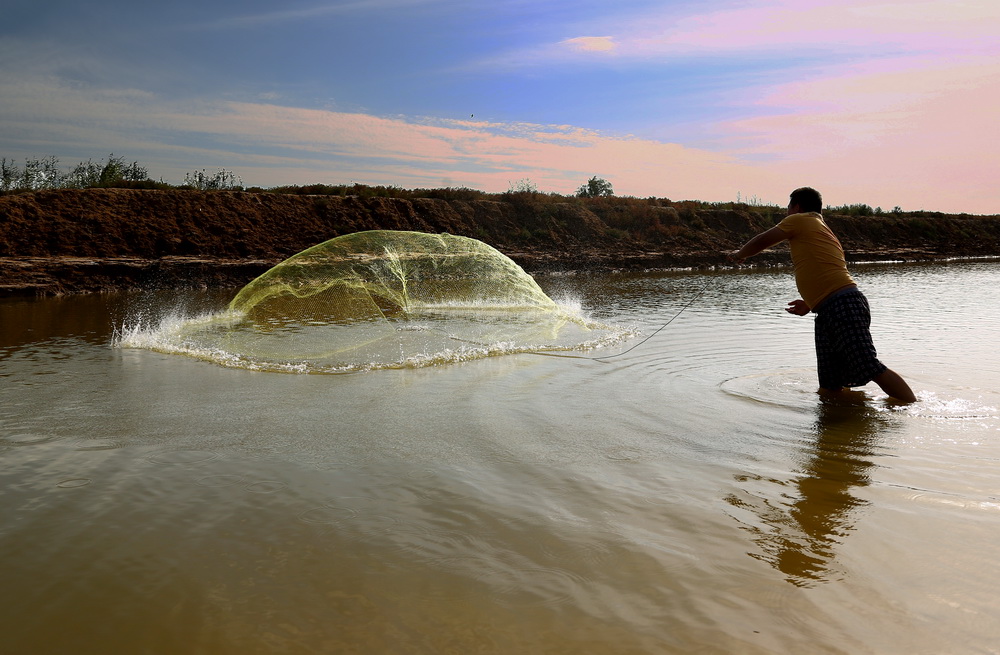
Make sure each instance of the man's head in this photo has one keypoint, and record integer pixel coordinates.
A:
(805, 199)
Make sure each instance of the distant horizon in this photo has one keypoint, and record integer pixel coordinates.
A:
(865, 101)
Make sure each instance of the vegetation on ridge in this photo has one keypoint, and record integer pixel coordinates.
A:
(116, 172)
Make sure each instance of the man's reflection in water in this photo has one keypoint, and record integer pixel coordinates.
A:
(799, 538)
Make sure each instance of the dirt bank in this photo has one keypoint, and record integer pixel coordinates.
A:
(67, 241)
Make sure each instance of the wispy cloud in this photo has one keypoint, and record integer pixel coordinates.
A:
(818, 25)
(290, 145)
(590, 43)
(871, 101)
(904, 131)
(794, 29)
(863, 136)
(316, 11)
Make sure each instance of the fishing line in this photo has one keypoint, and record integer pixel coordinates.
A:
(690, 302)
(634, 346)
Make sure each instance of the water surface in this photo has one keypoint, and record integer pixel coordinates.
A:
(693, 494)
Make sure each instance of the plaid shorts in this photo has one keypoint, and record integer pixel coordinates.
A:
(845, 354)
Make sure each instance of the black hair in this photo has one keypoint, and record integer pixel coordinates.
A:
(808, 199)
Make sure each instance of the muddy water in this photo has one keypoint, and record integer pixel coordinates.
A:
(690, 495)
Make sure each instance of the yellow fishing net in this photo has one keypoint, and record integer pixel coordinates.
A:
(383, 274)
(381, 299)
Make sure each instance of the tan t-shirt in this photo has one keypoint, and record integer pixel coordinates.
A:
(818, 257)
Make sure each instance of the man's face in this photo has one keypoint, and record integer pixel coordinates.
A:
(793, 208)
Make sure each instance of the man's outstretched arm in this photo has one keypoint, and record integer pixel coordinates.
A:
(761, 242)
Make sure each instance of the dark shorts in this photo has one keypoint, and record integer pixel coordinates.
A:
(845, 354)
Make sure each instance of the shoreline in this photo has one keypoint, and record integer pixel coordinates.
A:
(28, 277)
(92, 240)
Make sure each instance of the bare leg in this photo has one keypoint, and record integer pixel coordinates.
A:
(895, 386)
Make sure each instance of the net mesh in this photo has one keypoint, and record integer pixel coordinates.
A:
(386, 274)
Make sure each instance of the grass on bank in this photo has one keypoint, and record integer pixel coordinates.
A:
(117, 172)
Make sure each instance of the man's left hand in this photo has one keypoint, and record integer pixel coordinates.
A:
(798, 307)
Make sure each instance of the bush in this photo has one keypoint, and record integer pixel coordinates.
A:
(36, 174)
(112, 173)
(853, 210)
(45, 173)
(522, 186)
(223, 180)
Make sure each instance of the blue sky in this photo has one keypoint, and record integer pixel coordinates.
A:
(889, 104)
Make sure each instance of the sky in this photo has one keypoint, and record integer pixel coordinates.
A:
(890, 104)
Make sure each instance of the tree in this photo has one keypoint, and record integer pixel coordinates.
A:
(595, 187)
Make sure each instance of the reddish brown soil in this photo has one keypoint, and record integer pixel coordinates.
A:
(67, 241)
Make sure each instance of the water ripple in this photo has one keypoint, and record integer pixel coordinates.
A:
(73, 483)
(182, 457)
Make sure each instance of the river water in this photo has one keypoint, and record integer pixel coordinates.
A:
(692, 494)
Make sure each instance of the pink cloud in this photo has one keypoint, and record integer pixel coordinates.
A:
(591, 43)
(909, 132)
(466, 153)
(799, 27)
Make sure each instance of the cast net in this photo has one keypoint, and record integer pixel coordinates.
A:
(385, 274)
(382, 299)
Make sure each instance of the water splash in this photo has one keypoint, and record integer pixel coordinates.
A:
(431, 337)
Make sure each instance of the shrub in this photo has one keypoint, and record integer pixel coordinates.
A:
(522, 186)
(853, 210)
(45, 173)
(36, 174)
(223, 180)
(112, 173)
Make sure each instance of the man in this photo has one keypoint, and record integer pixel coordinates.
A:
(845, 353)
